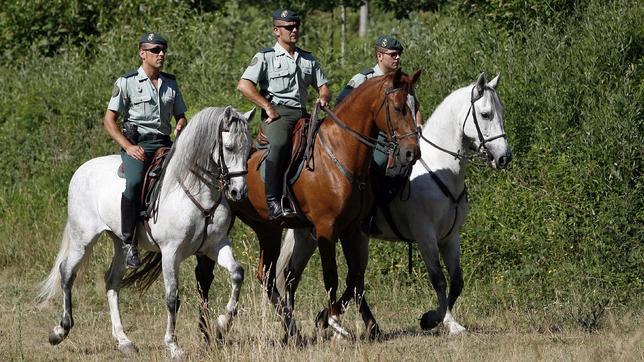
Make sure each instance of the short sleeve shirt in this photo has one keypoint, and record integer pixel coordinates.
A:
(360, 78)
(150, 109)
(282, 79)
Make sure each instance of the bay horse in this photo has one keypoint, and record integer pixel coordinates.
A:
(208, 161)
(432, 210)
(334, 195)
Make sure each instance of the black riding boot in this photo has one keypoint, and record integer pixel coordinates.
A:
(273, 187)
(129, 213)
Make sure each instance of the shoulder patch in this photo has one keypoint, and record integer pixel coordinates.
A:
(367, 71)
(130, 74)
(168, 75)
(267, 50)
(115, 90)
(254, 61)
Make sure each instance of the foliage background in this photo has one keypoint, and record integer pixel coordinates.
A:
(559, 232)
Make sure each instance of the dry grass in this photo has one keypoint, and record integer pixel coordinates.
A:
(501, 335)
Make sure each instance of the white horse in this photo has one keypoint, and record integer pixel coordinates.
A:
(432, 210)
(208, 160)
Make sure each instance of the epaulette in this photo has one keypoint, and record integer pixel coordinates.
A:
(131, 74)
(168, 75)
(367, 71)
(267, 50)
(303, 51)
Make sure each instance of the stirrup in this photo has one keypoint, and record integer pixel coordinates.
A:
(131, 256)
(288, 210)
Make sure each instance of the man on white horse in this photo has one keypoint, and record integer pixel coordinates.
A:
(148, 98)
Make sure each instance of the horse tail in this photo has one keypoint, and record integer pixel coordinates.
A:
(50, 287)
(286, 253)
(143, 277)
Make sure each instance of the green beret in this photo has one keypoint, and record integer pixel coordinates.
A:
(389, 42)
(153, 38)
(285, 15)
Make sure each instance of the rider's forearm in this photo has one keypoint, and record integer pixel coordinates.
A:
(109, 122)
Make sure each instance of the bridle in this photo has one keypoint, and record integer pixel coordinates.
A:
(391, 145)
(482, 148)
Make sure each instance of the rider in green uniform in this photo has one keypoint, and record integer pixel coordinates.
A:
(147, 98)
(282, 74)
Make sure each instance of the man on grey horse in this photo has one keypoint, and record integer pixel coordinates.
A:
(147, 98)
(283, 74)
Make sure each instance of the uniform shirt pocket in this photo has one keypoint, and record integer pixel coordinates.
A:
(278, 80)
(139, 105)
(307, 73)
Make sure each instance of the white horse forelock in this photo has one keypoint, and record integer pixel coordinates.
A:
(195, 148)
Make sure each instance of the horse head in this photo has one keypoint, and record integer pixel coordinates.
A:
(486, 131)
(232, 153)
(397, 120)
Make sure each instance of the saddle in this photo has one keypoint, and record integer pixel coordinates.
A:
(302, 143)
(151, 182)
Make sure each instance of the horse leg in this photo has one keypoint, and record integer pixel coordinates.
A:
(429, 251)
(204, 275)
(170, 264)
(297, 249)
(355, 246)
(452, 256)
(71, 255)
(270, 240)
(226, 260)
(113, 279)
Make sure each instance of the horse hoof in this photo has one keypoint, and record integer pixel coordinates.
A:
(322, 319)
(456, 329)
(56, 335)
(374, 332)
(430, 320)
(128, 349)
(177, 354)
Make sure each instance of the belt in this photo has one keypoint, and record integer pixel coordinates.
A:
(154, 137)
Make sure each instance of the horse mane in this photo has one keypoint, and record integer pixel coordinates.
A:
(193, 149)
(370, 83)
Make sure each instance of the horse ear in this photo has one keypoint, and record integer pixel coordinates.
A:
(494, 82)
(249, 115)
(415, 76)
(479, 87)
(225, 115)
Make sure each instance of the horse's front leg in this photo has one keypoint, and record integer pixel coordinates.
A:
(226, 260)
(429, 251)
(204, 275)
(170, 263)
(452, 256)
(355, 246)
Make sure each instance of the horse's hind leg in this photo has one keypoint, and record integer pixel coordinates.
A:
(75, 253)
(452, 256)
(113, 279)
(226, 260)
(204, 275)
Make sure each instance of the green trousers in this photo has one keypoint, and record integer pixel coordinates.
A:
(134, 170)
(278, 133)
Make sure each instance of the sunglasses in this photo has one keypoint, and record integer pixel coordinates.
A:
(155, 50)
(289, 27)
(393, 54)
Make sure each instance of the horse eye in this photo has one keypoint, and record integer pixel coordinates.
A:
(229, 148)
(485, 115)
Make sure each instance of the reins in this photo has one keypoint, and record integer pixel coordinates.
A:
(221, 174)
